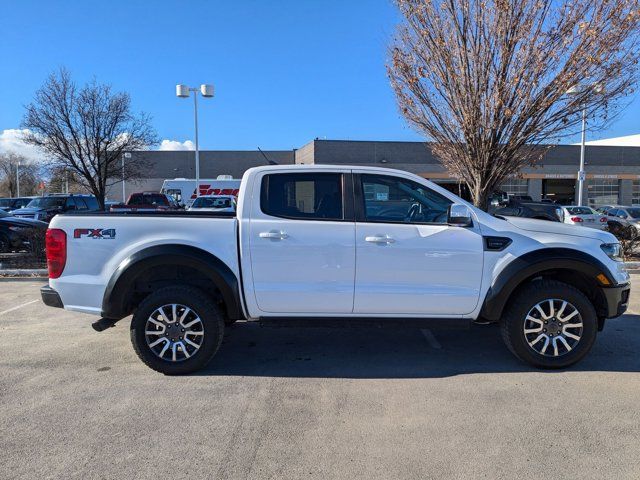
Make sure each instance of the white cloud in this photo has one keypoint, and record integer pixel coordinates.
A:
(176, 145)
(11, 142)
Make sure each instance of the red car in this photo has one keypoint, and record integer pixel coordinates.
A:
(147, 202)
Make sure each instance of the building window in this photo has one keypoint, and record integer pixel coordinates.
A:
(635, 193)
(603, 192)
(516, 186)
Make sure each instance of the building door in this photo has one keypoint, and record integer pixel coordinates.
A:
(560, 190)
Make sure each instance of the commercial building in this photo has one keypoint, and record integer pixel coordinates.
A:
(612, 172)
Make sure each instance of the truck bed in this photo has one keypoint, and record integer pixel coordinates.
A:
(98, 243)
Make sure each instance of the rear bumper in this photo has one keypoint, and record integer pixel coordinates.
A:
(50, 297)
(617, 299)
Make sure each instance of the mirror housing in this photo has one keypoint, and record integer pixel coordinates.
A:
(459, 215)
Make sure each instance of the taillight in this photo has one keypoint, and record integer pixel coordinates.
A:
(576, 219)
(603, 219)
(56, 242)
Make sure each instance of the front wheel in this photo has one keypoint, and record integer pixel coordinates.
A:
(549, 324)
(177, 330)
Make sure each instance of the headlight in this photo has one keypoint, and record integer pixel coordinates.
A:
(613, 251)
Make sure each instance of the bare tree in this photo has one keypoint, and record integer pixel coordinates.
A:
(487, 80)
(12, 165)
(87, 130)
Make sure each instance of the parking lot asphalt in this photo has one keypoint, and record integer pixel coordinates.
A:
(294, 403)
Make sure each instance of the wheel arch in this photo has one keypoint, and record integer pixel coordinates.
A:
(153, 267)
(570, 266)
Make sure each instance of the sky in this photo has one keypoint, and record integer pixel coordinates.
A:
(284, 71)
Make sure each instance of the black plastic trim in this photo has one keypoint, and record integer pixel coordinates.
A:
(496, 244)
(358, 322)
(617, 299)
(50, 297)
(528, 265)
(115, 304)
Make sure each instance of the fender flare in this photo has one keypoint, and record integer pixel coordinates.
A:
(121, 285)
(531, 263)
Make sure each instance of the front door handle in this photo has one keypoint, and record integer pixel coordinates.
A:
(274, 234)
(379, 239)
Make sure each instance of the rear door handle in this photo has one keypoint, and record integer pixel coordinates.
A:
(274, 234)
(379, 239)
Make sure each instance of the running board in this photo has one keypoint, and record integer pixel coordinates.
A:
(359, 322)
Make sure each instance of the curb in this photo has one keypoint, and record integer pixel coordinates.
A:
(23, 273)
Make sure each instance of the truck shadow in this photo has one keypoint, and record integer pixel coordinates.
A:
(251, 350)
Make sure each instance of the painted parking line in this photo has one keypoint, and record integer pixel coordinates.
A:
(19, 306)
(431, 338)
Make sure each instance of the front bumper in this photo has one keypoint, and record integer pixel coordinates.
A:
(50, 297)
(617, 299)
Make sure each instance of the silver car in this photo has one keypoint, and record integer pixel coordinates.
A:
(620, 217)
(584, 217)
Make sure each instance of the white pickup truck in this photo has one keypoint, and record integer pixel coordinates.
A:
(336, 245)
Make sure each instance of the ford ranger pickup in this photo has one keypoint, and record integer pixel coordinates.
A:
(331, 245)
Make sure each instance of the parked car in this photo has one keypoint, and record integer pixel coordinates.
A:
(326, 245)
(45, 208)
(214, 203)
(620, 217)
(11, 204)
(510, 206)
(17, 234)
(584, 217)
(602, 209)
(147, 202)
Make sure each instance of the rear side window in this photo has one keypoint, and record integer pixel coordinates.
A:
(306, 196)
(92, 203)
(80, 205)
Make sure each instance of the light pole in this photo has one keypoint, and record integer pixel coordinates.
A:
(18, 178)
(581, 173)
(183, 91)
(126, 155)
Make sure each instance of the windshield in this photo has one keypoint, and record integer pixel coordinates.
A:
(203, 202)
(46, 202)
(579, 211)
(634, 212)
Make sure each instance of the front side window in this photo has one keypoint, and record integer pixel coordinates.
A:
(397, 200)
(308, 196)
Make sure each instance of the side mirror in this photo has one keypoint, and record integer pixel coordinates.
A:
(459, 215)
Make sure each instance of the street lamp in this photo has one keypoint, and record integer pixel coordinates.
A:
(183, 91)
(18, 178)
(575, 90)
(126, 155)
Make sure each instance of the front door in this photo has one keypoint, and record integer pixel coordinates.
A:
(302, 244)
(409, 260)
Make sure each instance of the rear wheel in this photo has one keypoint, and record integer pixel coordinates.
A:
(549, 324)
(177, 330)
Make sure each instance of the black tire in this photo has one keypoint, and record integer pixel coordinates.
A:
(513, 323)
(228, 322)
(198, 302)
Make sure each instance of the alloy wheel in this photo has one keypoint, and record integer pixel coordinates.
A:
(553, 327)
(174, 332)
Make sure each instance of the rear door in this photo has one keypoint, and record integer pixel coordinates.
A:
(302, 243)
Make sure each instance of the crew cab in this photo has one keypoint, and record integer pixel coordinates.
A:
(331, 245)
(146, 202)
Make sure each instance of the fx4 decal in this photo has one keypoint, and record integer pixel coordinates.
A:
(109, 233)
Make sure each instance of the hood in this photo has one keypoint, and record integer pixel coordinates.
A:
(545, 226)
(28, 211)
